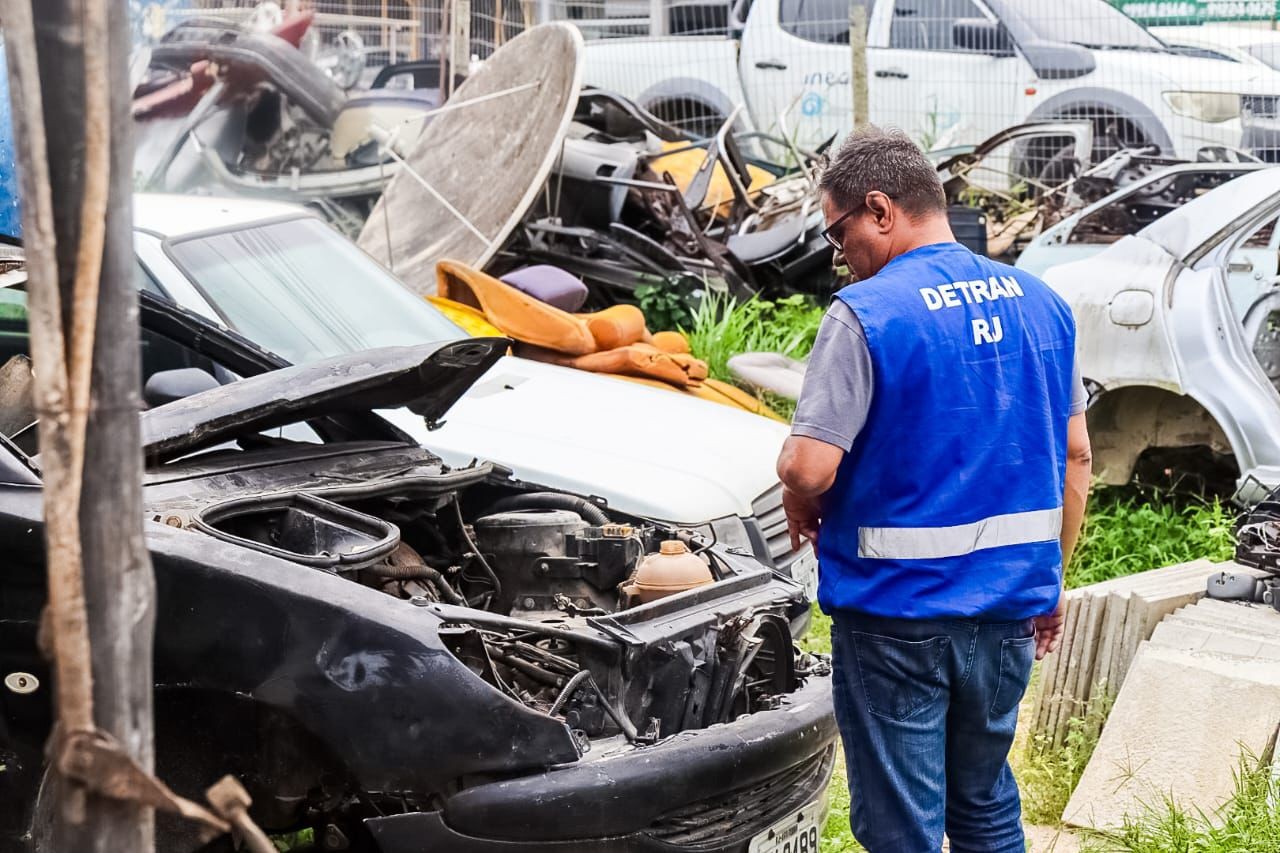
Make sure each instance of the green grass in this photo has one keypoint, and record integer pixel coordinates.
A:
(722, 328)
(1127, 531)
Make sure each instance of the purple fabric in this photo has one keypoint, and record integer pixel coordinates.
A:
(551, 285)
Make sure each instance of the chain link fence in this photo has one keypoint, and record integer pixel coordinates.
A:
(1188, 77)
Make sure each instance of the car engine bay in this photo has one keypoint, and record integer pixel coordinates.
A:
(536, 589)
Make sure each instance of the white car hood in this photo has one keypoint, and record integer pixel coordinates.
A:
(1187, 73)
(658, 454)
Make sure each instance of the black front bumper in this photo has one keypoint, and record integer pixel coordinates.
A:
(708, 790)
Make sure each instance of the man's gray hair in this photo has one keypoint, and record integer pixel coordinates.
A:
(888, 161)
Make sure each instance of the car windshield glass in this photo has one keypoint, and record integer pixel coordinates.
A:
(1268, 53)
(1090, 23)
(301, 290)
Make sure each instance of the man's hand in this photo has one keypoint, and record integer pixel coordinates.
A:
(1048, 628)
(803, 516)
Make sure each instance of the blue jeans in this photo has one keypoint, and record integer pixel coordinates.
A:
(927, 711)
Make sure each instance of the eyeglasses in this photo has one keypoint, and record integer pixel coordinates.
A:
(830, 237)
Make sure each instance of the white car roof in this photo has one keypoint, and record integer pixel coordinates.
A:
(179, 215)
(1186, 229)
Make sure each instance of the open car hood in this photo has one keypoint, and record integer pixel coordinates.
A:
(426, 379)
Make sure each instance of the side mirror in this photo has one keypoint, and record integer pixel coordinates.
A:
(166, 386)
(981, 36)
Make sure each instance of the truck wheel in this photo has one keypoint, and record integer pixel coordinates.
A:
(1050, 162)
(1111, 132)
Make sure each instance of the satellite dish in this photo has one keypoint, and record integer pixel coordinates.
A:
(484, 162)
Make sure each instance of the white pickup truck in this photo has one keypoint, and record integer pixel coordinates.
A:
(948, 72)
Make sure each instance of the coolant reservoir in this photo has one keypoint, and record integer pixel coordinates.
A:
(673, 569)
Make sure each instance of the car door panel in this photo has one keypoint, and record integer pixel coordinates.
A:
(939, 94)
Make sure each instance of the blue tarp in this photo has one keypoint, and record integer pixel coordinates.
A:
(10, 215)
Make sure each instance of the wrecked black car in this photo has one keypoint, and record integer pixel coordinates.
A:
(393, 655)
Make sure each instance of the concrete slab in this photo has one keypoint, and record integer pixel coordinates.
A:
(1064, 696)
(1112, 625)
(1105, 624)
(1193, 620)
(1091, 629)
(1177, 730)
(1141, 617)
(1057, 674)
(1253, 626)
(1193, 637)
(1234, 612)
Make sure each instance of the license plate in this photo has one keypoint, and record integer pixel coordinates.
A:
(798, 832)
(804, 571)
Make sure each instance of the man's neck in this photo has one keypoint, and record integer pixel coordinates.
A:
(927, 232)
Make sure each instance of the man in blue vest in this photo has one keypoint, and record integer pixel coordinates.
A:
(939, 459)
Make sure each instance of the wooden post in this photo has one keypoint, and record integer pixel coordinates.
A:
(459, 40)
(858, 55)
(73, 131)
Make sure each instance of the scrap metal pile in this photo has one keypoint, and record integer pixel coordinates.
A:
(1027, 178)
(585, 180)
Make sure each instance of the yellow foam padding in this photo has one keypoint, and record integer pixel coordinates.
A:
(672, 342)
(470, 319)
(616, 326)
(683, 166)
(731, 395)
(520, 316)
(640, 359)
(517, 314)
(713, 391)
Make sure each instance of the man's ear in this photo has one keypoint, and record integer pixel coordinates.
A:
(882, 211)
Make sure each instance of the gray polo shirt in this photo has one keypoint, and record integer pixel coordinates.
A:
(838, 382)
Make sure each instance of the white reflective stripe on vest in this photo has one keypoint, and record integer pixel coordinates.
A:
(931, 543)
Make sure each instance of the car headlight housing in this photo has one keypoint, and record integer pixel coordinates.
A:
(1213, 107)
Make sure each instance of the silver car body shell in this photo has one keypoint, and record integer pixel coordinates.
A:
(1153, 310)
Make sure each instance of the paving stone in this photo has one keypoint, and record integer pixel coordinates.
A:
(1105, 624)
(1170, 734)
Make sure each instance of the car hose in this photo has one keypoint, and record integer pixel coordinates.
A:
(569, 690)
(466, 535)
(551, 500)
(406, 564)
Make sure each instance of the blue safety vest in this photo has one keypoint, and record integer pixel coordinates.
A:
(949, 503)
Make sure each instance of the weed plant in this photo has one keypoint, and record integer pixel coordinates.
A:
(1047, 775)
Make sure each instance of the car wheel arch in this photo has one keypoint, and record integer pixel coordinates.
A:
(713, 104)
(1127, 421)
(1093, 102)
(203, 735)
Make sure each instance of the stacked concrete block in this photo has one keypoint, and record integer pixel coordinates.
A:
(1200, 695)
(1105, 623)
